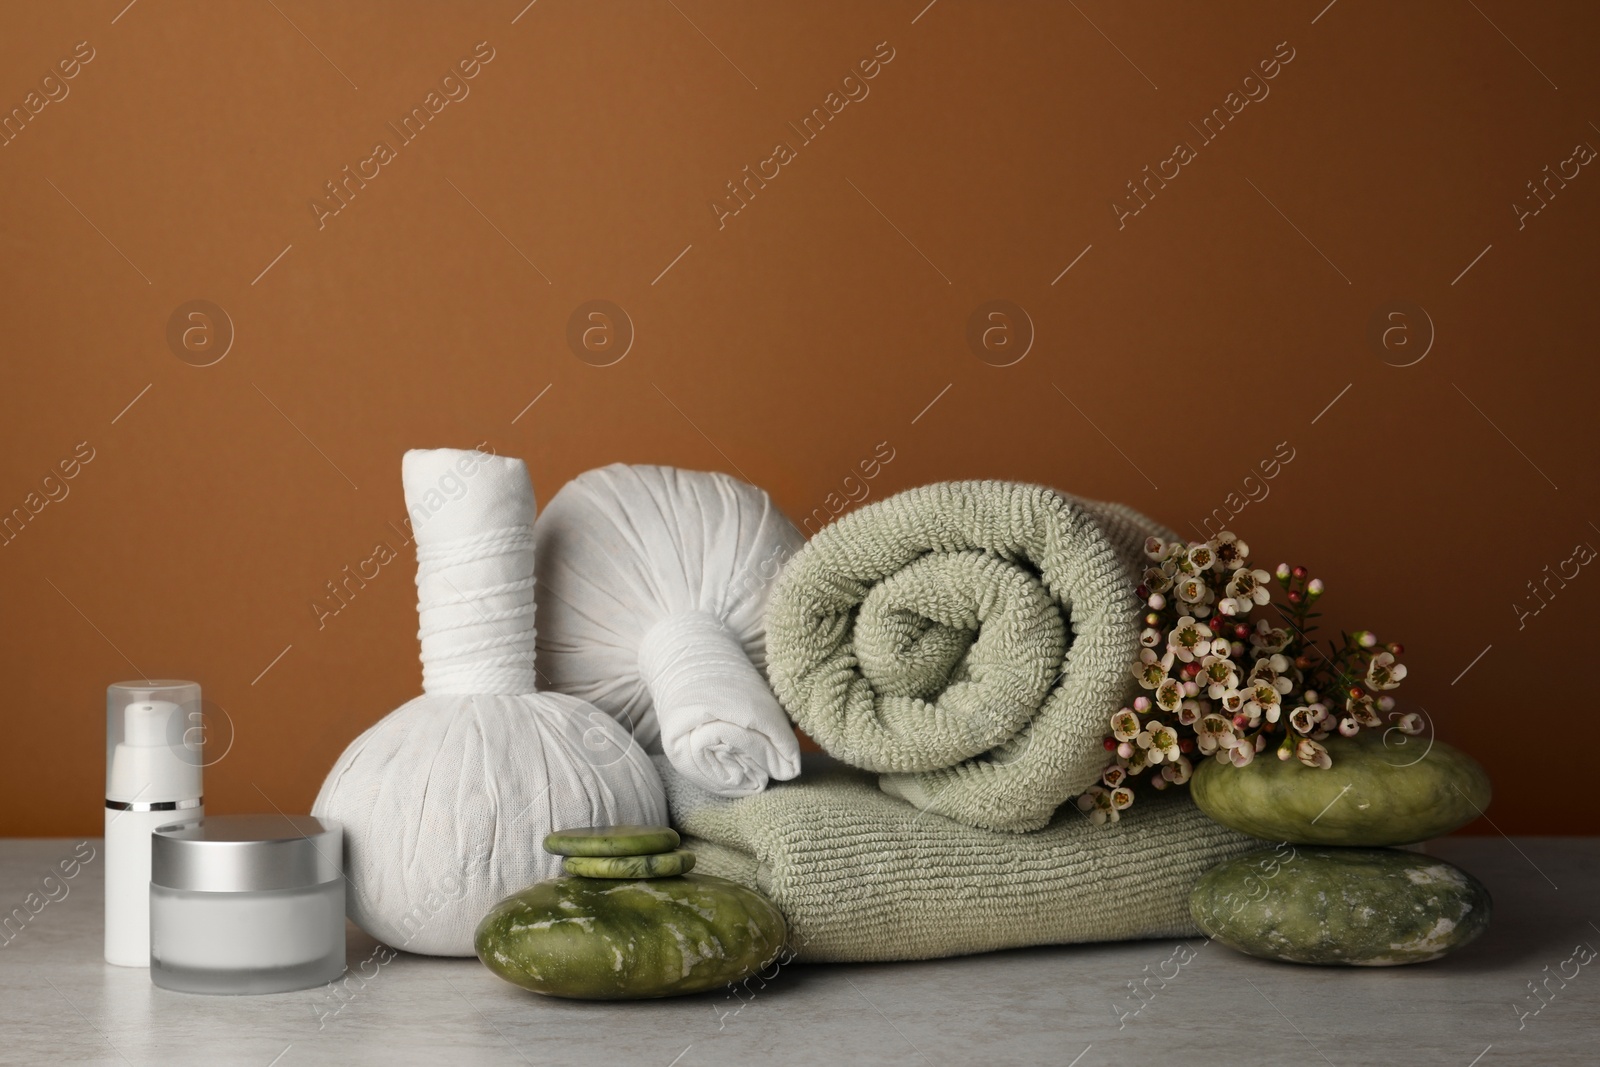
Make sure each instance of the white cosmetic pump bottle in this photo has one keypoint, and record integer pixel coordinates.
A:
(154, 758)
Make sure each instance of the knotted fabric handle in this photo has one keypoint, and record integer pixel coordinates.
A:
(472, 516)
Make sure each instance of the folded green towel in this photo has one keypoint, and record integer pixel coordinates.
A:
(862, 876)
(969, 640)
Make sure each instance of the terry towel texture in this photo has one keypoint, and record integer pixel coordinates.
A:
(861, 876)
(968, 640)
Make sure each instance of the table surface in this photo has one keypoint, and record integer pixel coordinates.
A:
(1071, 1006)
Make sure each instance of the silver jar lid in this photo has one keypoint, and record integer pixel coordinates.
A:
(247, 853)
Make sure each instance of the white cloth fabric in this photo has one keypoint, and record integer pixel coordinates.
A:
(694, 665)
(446, 801)
(652, 591)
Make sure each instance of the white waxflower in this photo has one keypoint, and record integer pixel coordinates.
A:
(1362, 710)
(1263, 699)
(1189, 638)
(1312, 754)
(1269, 638)
(1384, 673)
(1211, 732)
(1248, 584)
(1410, 723)
(1149, 637)
(1202, 557)
(1169, 694)
(1231, 551)
(1151, 669)
(1220, 675)
(1100, 808)
(1193, 590)
(1273, 671)
(1178, 771)
(1125, 725)
(1159, 741)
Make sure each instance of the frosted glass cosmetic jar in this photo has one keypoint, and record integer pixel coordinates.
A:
(247, 904)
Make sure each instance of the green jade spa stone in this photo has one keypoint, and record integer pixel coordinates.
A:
(1379, 791)
(1354, 907)
(604, 939)
(612, 841)
(660, 865)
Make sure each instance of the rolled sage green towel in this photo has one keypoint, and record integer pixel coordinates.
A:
(968, 640)
(862, 876)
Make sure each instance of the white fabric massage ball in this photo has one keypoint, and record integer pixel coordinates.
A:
(653, 586)
(446, 801)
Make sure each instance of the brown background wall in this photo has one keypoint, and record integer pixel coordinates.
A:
(826, 317)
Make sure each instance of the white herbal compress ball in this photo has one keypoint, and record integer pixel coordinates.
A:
(653, 586)
(446, 801)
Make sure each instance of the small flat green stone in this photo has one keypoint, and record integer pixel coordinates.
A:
(612, 841)
(660, 865)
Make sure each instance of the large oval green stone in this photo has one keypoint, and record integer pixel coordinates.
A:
(611, 841)
(597, 939)
(1359, 907)
(1374, 794)
(661, 865)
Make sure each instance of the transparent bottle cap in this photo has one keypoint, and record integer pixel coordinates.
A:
(154, 742)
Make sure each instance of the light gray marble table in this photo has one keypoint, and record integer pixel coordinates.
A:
(1071, 1006)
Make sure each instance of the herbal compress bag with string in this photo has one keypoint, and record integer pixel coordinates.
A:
(653, 584)
(446, 800)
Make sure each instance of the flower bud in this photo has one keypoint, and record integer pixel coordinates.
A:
(1157, 601)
